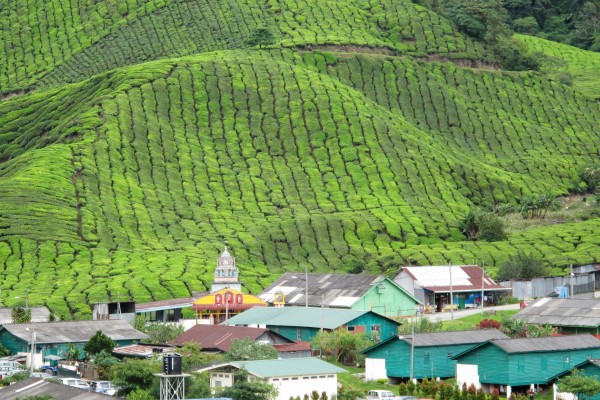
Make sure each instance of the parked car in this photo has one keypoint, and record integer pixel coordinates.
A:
(10, 365)
(385, 395)
(105, 387)
(48, 369)
(75, 382)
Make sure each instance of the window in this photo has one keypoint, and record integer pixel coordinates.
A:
(306, 377)
(285, 379)
(426, 356)
(275, 379)
(299, 334)
(218, 383)
(450, 354)
(376, 328)
(566, 360)
(294, 379)
(350, 328)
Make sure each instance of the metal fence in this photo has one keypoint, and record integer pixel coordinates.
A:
(539, 287)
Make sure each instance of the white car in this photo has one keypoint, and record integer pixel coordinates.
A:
(105, 387)
(75, 382)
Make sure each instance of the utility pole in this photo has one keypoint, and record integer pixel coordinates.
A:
(571, 282)
(482, 284)
(451, 294)
(412, 350)
(306, 286)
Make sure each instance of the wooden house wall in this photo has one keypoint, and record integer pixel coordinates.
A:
(391, 301)
(429, 362)
(497, 367)
(387, 327)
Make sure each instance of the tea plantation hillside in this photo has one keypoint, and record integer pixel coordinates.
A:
(54, 43)
(127, 182)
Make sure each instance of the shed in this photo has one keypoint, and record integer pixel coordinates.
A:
(432, 353)
(432, 286)
(359, 292)
(572, 315)
(291, 377)
(303, 323)
(38, 314)
(525, 361)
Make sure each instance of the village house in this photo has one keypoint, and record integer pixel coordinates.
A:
(508, 365)
(291, 377)
(432, 357)
(218, 339)
(303, 323)
(571, 315)
(53, 338)
(359, 292)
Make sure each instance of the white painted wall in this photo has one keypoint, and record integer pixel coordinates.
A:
(301, 385)
(375, 369)
(468, 374)
(221, 379)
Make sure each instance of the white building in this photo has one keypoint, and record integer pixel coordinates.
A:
(291, 377)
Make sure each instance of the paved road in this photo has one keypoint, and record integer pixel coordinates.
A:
(447, 316)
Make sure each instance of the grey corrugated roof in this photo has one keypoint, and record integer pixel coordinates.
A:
(455, 337)
(38, 314)
(562, 312)
(32, 387)
(550, 343)
(333, 289)
(75, 331)
(311, 317)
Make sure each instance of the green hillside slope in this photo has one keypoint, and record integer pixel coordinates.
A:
(69, 45)
(582, 66)
(352, 144)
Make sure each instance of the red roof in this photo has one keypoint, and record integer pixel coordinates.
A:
(292, 347)
(217, 337)
(142, 350)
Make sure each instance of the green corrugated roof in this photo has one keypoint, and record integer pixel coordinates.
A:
(288, 367)
(310, 317)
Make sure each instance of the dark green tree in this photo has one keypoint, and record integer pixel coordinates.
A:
(248, 349)
(242, 389)
(98, 343)
(341, 344)
(261, 37)
(104, 362)
(162, 332)
(480, 224)
(131, 375)
(521, 265)
(21, 315)
(579, 384)
(591, 177)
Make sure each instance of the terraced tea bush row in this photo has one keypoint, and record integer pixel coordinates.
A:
(569, 65)
(472, 112)
(38, 35)
(183, 27)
